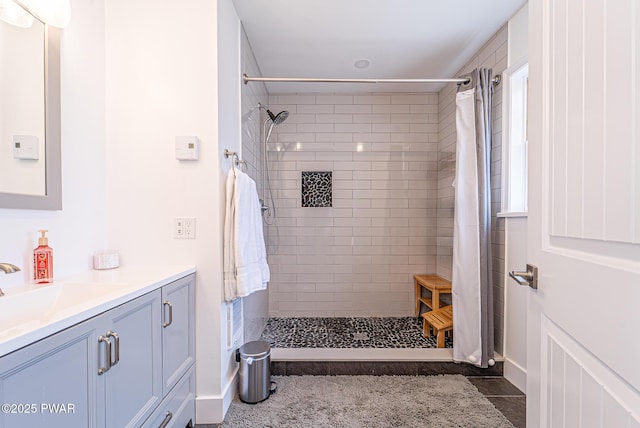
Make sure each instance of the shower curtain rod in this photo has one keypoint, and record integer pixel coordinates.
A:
(246, 79)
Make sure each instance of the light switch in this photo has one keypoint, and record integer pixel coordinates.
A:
(187, 148)
(25, 147)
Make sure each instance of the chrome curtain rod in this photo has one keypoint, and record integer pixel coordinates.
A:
(246, 79)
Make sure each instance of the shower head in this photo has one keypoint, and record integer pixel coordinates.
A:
(278, 118)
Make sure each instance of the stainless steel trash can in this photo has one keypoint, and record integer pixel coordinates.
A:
(255, 371)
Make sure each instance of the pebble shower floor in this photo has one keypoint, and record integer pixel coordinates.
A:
(361, 332)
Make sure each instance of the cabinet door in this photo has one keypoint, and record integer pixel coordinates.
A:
(52, 383)
(178, 348)
(132, 386)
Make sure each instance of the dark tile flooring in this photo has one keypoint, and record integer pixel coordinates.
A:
(396, 368)
(360, 332)
(508, 399)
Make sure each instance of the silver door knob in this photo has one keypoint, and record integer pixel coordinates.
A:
(530, 277)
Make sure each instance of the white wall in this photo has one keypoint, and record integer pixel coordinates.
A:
(229, 137)
(79, 229)
(162, 82)
(515, 308)
(518, 36)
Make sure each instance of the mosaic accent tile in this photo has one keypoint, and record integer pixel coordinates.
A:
(405, 332)
(316, 189)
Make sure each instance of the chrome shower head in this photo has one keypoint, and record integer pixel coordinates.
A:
(278, 118)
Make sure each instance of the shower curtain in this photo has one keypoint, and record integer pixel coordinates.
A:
(472, 296)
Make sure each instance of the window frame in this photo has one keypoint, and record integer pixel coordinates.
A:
(508, 77)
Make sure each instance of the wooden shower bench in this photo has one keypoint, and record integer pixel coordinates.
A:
(441, 320)
(436, 285)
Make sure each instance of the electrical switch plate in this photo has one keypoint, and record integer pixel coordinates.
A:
(187, 148)
(184, 228)
(25, 147)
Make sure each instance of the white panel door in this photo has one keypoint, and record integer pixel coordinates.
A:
(584, 213)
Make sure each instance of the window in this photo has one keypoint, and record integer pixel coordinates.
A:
(514, 146)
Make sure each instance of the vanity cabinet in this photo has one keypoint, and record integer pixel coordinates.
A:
(60, 370)
(121, 368)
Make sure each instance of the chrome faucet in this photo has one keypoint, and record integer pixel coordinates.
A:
(8, 268)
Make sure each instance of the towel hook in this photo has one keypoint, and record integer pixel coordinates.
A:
(236, 159)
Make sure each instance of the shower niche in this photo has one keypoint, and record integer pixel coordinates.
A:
(316, 189)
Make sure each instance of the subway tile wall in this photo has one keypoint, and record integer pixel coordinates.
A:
(492, 55)
(255, 306)
(358, 257)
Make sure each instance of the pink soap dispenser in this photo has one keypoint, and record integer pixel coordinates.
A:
(43, 260)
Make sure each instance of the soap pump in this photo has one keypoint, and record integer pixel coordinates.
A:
(43, 260)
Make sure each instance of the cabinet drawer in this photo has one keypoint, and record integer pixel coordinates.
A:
(178, 409)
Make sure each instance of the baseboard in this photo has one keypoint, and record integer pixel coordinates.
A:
(515, 374)
(211, 409)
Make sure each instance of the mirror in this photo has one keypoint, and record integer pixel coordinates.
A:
(30, 152)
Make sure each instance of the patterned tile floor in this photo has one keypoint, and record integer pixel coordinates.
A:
(405, 332)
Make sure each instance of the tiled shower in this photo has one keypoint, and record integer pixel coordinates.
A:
(392, 162)
(358, 256)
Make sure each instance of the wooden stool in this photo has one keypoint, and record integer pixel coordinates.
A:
(436, 285)
(441, 320)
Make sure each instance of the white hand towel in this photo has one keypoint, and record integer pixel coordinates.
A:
(246, 268)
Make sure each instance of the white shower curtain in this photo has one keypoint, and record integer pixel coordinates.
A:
(471, 277)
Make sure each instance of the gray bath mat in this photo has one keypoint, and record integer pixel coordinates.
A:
(369, 401)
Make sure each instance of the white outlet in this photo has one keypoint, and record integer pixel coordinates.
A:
(184, 228)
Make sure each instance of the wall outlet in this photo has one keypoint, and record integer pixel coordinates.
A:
(184, 228)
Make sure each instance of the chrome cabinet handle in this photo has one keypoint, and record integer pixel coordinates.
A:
(530, 277)
(166, 420)
(116, 338)
(107, 357)
(168, 303)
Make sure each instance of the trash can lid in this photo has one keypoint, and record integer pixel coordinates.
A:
(255, 349)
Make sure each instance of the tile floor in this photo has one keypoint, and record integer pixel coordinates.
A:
(508, 399)
(404, 332)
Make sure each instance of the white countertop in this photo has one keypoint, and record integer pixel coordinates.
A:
(33, 312)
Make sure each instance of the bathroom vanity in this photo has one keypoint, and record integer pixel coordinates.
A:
(104, 349)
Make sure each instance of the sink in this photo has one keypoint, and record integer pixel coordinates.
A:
(38, 304)
(21, 306)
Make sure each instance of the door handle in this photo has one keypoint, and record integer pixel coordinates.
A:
(107, 357)
(165, 421)
(167, 324)
(116, 339)
(530, 277)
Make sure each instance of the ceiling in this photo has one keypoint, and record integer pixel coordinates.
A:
(402, 39)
